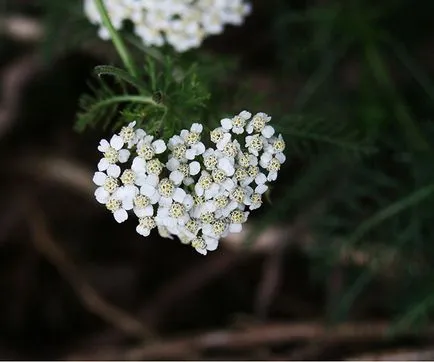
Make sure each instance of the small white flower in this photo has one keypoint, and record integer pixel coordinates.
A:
(148, 149)
(254, 144)
(259, 124)
(192, 140)
(237, 217)
(118, 208)
(255, 201)
(146, 224)
(261, 180)
(181, 172)
(216, 230)
(203, 244)
(206, 186)
(275, 145)
(237, 123)
(272, 164)
(107, 186)
(113, 153)
(131, 136)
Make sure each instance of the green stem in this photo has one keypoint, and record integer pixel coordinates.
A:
(117, 40)
(126, 98)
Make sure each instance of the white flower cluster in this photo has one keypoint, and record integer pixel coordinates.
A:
(183, 189)
(181, 23)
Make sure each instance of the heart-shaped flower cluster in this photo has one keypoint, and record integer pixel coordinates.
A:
(184, 189)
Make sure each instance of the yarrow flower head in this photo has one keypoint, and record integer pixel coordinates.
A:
(182, 189)
(183, 24)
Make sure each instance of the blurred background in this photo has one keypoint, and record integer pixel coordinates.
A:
(338, 264)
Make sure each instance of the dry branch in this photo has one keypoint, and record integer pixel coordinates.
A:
(263, 335)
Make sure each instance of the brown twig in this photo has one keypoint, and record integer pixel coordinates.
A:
(91, 300)
(263, 335)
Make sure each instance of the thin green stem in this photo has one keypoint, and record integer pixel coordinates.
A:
(127, 98)
(117, 40)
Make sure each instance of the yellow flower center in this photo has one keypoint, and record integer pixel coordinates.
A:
(110, 184)
(146, 152)
(141, 201)
(166, 188)
(237, 217)
(147, 222)
(198, 243)
(238, 194)
(111, 155)
(127, 134)
(176, 210)
(128, 177)
(113, 205)
(154, 167)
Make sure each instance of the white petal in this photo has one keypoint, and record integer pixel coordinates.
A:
(245, 115)
(207, 229)
(99, 178)
(120, 215)
(159, 146)
(280, 157)
(172, 164)
(188, 202)
(176, 177)
(114, 171)
(139, 165)
(228, 184)
(184, 133)
(141, 178)
(165, 201)
(238, 130)
(153, 180)
(268, 131)
(200, 148)
(103, 146)
(102, 195)
(147, 190)
(142, 231)
(266, 157)
(103, 164)
(140, 133)
(190, 154)
(211, 244)
(116, 142)
(196, 127)
(124, 155)
(198, 189)
(272, 176)
(179, 195)
(201, 251)
(249, 128)
(235, 228)
(188, 181)
(171, 222)
(260, 189)
(127, 204)
(194, 168)
(226, 166)
(226, 123)
(260, 179)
